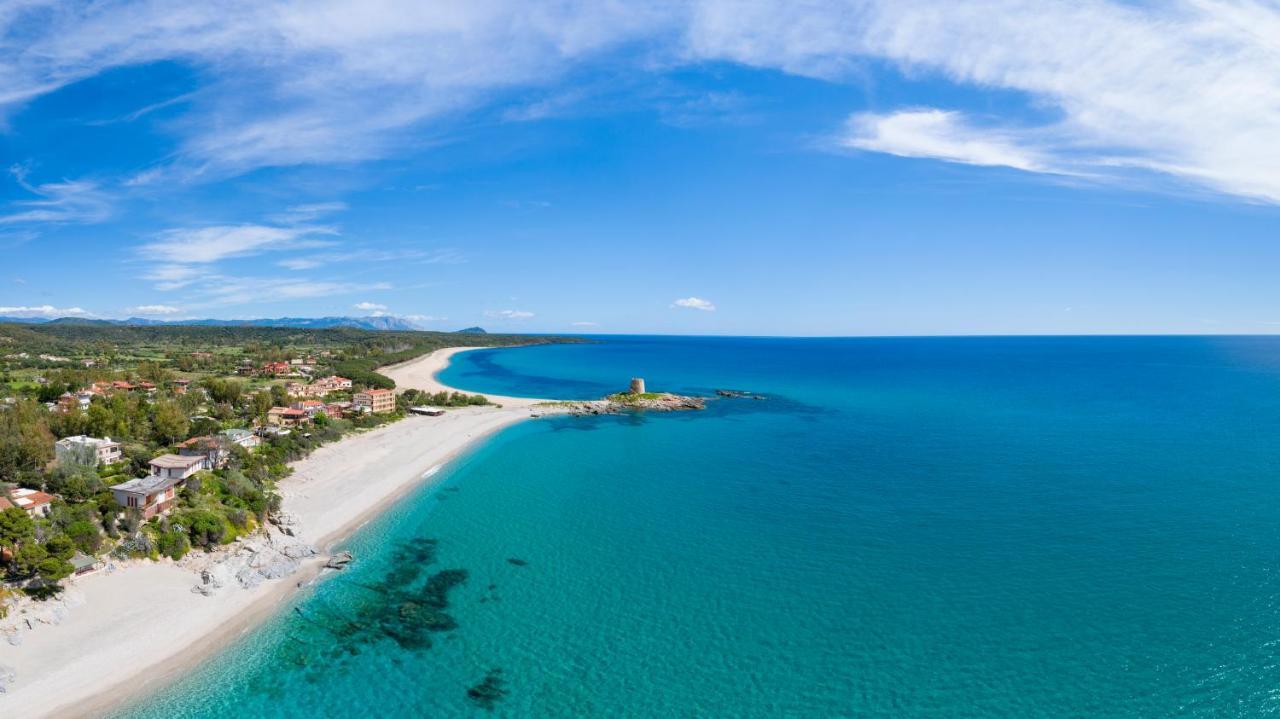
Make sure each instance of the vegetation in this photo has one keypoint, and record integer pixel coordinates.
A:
(151, 388)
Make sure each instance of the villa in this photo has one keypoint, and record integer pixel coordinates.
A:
(376, 401)
(82, 449)
(178, 467)
(151, 495)
(241, 437)
(213, 449)
(286, 416)
(33, 502)
(334, 383)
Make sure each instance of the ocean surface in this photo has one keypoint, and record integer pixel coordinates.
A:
(961, 527)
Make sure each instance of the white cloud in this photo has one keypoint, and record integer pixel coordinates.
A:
(940, 135)
(145, 310)
(44, 311)
(425, 318)
(695, 303)
(68, 201)
(1189, 88)
(201, 245)
(508, 314)
(401, 256)
(584, 324)
(307, 212)
(369, 307)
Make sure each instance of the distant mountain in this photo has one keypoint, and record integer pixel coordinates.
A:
(398, 324)
(471, 331)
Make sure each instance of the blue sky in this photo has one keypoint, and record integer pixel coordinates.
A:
(840, 168)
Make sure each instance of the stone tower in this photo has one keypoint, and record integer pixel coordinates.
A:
(637, 385)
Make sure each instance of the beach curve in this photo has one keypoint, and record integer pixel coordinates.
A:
(145, 617)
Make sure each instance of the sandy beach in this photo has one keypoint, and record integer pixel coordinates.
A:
(135, 629)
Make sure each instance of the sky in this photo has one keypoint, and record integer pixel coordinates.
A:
(854, 167)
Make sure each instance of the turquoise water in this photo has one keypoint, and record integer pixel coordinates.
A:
(1031, 527)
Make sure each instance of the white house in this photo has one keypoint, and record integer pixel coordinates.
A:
(150, 495)
(82, 449)
(173, 466)
(242, 437)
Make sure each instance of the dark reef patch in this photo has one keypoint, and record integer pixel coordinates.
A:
(488, 692)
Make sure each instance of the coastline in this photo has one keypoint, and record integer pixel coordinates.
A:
(144, 616)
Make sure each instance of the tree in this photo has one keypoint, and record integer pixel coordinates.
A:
(261, 404)
(60, 546)
(16, 528)
(168, 422)
(25, 441)
(26, 561)
(53, 569)
(84, 534)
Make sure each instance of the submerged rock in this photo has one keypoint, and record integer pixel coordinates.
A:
(489, 692)
(338, 561)
(516, 562)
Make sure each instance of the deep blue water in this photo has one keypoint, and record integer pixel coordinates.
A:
(996, 527)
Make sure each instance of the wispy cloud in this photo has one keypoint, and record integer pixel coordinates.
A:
(694, 303)
(200, 245)
(1185, 88)
(584, 324)
(67, 201)
(941, 135)
(508, 314)
(369, 307)
(44, 311)
(445, 256)
(307, 212)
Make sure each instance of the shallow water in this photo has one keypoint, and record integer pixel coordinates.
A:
(1010, 527)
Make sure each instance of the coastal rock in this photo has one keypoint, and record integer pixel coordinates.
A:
(299, 551)
(654, 402)
(338, 561)
(287, 522)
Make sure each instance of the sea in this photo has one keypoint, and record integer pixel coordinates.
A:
(881, 527)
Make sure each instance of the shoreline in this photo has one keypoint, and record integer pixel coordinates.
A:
(145, 616)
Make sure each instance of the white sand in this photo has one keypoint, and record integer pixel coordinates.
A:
(141, 626)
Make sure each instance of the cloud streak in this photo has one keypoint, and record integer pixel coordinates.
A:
(1188, 89)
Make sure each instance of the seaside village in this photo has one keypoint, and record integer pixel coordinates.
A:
(161, 461)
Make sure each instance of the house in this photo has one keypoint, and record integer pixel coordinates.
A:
(286, 416)
(80, 400)
(34, 502)
(176, 466)
(334, 383)
(240, 437)
(81, 449)
(311, 407)
(337, 410)
(275, 369)
(375, 400)
(214, 449)
(151, 495)
(123, 386)
(273, 431)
